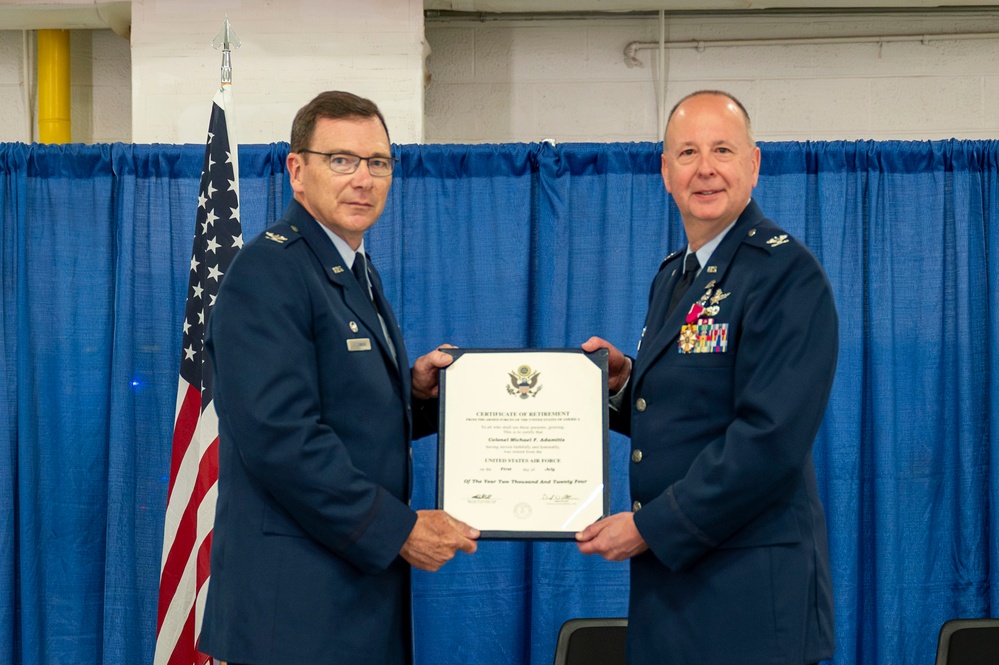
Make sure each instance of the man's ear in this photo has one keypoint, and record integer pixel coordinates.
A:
(665, 172)
(756, 165)
(295, 163)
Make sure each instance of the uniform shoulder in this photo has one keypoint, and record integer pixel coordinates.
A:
(267, 249)
(672, 257)
(772, 239)
(279, 235)
(783, 253)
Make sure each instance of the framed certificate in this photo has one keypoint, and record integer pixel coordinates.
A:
(523, 444)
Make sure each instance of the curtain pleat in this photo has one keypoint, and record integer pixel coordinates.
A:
(520, 245)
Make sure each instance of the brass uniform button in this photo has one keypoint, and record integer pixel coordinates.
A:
(640, 404)
(636, 456)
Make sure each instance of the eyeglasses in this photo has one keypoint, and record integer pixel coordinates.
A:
(346, 163)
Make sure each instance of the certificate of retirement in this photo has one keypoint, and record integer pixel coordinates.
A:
(523, 443)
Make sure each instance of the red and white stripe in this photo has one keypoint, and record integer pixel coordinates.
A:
(187, 533)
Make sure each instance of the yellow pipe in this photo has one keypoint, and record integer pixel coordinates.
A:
(53, 86)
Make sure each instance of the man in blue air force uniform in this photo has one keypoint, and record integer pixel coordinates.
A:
(727, 537)
(314, 537)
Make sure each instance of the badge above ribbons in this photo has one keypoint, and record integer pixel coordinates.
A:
(700, 334)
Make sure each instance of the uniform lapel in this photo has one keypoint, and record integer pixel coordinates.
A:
(337, 273)
(655, 324)
(664, 339)
(395, 333)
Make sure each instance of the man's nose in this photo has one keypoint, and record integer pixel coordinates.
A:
(362, 176)
(706, 164)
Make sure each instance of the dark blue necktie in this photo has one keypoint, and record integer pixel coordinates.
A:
(690, 268)
(360, 270)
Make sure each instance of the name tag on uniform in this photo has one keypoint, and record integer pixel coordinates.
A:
(359, 344)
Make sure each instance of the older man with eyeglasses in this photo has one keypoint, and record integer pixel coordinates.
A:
(317, 406)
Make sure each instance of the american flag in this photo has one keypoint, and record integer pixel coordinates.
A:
(194, 469)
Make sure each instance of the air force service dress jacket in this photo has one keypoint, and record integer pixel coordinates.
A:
(315, 423)
(724, 402)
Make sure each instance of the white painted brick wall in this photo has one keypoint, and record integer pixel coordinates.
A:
(101, 95)
(531, 80)
(567, 80)
(510, 81)
(13, 116)
(290, 51)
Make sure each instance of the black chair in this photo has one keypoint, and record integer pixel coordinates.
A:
(968, 642)
(591, 642)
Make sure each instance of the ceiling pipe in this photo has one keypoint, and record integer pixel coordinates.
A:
(631, 50)
(53, 87)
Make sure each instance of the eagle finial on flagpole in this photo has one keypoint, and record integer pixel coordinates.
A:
(226, 40)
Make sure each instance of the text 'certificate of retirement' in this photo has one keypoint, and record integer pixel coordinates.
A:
(523, 441)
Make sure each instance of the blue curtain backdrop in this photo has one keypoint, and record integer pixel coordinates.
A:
(501, 246)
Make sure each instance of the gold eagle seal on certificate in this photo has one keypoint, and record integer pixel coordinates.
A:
(524, 382)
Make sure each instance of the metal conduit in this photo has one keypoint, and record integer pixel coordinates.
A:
(632, 60)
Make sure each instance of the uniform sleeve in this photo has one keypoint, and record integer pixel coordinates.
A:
(620, 409)
(426, 417)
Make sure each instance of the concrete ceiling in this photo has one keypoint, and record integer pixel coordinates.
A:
(575, 6)
(66, 15)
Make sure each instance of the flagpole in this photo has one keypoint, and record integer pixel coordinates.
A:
(227, 41)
